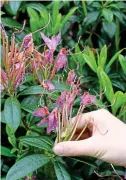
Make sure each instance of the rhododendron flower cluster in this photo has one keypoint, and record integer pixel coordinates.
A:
(45, 66)
(59, 119)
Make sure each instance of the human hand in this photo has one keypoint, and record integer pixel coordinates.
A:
(105, 138)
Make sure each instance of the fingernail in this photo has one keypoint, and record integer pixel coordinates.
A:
(58, 150)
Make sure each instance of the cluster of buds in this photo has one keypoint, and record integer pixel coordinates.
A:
(45, 65)
(60, 119)
(14, 59)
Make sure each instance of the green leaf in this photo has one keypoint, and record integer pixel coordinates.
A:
(3, 120)
(12, 6)
(122, 61)
(107, 14)
(41, 142)
(109, 28)
(113, 59)
(9, 22)
(55, 11)
(119, 100)
(27, 108)
(59, 87)
(106, 84)
(12, 113)
(119, 16)
(34, 90)
(60, 171)
(90, 60)
(91, 17)
(11, 136)
(85, 160)
(65, 19)
(6, 152)
(26, 165)
(34, 19)
(103, 56)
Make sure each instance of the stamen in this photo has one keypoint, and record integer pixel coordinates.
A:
(116, 172)
(19, 31)
(75, 45)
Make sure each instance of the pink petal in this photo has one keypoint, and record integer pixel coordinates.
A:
(87, 99)
(53, 42)
(28, 41)
(41, 112)
(71, 77)
(49, 85)
(42, 122)
(61, 61)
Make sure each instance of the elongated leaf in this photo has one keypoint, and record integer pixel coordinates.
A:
(60, 171)
(106, 84)
(91, 17)
(12, 6)
(85, 160)
(68, 15)
(34, 19)
(3, 120)
(27, 108)
(34, 90)
(55, 11)
(9, 22)
(90, 61)
(103, 56)
(43, 142)
(122, 61)
(26, 165)
(6, 152)
(61, 86)
(113, 59)
(107, 14)
(119, 99)
(11, 136)
(12, 113)
(109, 28)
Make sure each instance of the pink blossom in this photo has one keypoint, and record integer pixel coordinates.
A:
(71, 77)
(49, 85)
(53, 42)
(67, 98)
(28, 44)
(41, 112)
(87, 99)
(61, 61)
(48, 55)
(51, 120)
(3, 75)
(4, 80)
(28, 41)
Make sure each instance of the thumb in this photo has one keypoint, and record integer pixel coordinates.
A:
(86, 147)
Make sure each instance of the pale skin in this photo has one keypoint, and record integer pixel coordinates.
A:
(105, 138)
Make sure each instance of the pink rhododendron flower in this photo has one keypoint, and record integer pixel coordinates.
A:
(71, 77)
(67, 98)
(41, 112)
(53, 42)
(87, 99)
(61, 61)
(4, 80)
(48, 55)
(51, 120)
(49, 85)
(28, 41)
(28, 44)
